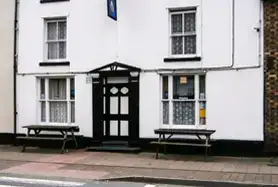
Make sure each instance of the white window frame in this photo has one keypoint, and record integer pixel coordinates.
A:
(46, 100)
(170, 99)
(197, 11)
(46, 41)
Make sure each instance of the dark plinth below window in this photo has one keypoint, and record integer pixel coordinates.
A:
(182, 59)
(52, 1)
(65, 63)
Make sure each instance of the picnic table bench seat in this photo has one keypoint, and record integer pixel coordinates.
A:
(64, 130)
(164, 141)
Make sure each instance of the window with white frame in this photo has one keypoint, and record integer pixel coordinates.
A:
(57, 100)
(184, 100)
(183, 37)
(56, 39)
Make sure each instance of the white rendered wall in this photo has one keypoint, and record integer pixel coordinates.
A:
(140, 38)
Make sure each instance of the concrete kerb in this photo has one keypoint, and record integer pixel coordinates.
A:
(185, 182)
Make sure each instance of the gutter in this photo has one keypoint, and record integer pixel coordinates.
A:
(15, 55)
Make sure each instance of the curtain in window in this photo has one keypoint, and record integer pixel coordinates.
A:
(57, 100)
(165, 112)
(184, 112)
(56, 39)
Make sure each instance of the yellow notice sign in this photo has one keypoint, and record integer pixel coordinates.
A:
(183, 80)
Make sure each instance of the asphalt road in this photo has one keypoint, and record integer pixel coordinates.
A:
(8, 181)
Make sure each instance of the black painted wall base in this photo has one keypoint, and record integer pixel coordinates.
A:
(219, 147)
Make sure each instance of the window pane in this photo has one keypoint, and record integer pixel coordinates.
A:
(202, 87)
(42, 88)
(72, 89)
(62, 30)
(183, 87)
(165, 112)
(177, 45)
(62, 50)
(165, 87)
(184, 112)
(51, 31)
(58, 112)
(52, 50)
(202, 113)
(190, 22)
(72, 109)
(43, 112)
(190, 44)
(177, 23)
(57, 89)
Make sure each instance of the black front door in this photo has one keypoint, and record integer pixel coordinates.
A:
(116, 108)
(116, 118)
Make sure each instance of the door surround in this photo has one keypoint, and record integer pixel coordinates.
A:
(114, 70)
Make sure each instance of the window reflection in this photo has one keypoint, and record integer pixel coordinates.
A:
(183, 87)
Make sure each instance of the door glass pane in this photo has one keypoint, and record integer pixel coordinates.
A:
(117, 80)
(114, 90)
(124, 90)
(183, 87)
(124, 128)
(124, 105)
(114, 105)
(165, 87)
(113, 128)
(184, 113)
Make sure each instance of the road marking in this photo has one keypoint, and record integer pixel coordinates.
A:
(8, 186)
(40, 181)
(149, 185)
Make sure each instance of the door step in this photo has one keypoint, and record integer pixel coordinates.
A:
(114, 148)
(115, 143)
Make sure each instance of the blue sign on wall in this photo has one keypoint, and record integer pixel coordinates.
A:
(112, 9)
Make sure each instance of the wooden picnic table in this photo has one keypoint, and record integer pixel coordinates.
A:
(64, 130)
(164, 141)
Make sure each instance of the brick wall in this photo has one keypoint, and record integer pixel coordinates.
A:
(271, 74)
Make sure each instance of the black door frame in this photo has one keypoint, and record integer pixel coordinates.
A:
(97, 92)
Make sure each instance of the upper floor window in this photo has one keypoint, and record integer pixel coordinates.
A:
(56, 39)
(183, 34)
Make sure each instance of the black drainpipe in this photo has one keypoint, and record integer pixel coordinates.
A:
(15, 68)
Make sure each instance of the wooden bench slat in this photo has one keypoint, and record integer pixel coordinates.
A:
(39, 138)
(188, 144)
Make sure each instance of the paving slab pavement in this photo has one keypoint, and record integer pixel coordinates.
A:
(102, 166)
